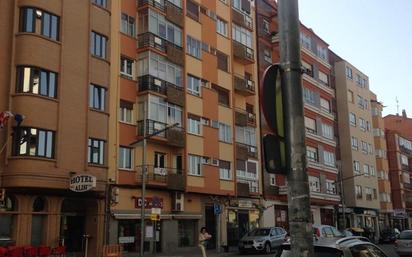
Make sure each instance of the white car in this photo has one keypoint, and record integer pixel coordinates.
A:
(263, 240)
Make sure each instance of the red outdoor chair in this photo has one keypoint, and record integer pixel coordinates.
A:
(14, 251)
(30, 251)
(44, 251)
(59, 251)
(3, 251)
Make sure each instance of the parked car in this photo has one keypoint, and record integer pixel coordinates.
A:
(263, 240)
(403, 245)
(387, 236)
(326, 231)
(347, 233)
(343, 247)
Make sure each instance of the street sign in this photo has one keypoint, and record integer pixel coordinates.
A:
(156, 211)
(154, 217)
(217, 208)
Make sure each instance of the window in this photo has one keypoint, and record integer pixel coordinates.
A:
(222, 61)
(329, 158)
(128, 25)
(330, 187)
(194, 126)
(370, 149)
(193, 47)
(356, 167)
(221, 27)
(193, 85)
(368, 193)
(368, 126)
(125, 158)
(161, 27)
(355, 145)
(405, 143)
(126, 67)
(310, 125)
(192, 10)
(266, 26)
(327, 131)
(98, 45)
(308, 68)
(314, 184)
(358, 192)
(102, 3)
(366, 170)
(349, 74)
(33, 142)
(309, 96)
(49, 24)
(126, 112)
(325, 105)
(322, 52)
(158, 66)
(352, 119)
(187, 232)
(97, 97)
(162, 111)
(404, 160)
(312, 153)
(362, 124)
(372, 171)
(36, 81)
(195, 165)
(360, 102)
(246, 169)
(224, 170)
(323, 77)
(225, 133)
(96, 151)
(350, 96)
(267, 55)
(159, 163)
(242, 5)
(364, 147)
(223, 95)
(242, 35)
(306, 41)
(246, 135)
(272, 179)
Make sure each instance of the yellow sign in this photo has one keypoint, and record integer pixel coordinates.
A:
(154, 217)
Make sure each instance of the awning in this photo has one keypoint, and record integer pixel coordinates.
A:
(167, 216)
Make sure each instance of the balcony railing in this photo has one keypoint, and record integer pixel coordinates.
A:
(244, 118)
(253, 184)
(243, 85)
(174, 13)
(174, 136)
(159, 4)
(242, 19)
(170, 178)
(243, 53)
(175, 94)
(244, 152)
(149, 39)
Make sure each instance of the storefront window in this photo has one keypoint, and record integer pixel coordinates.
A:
(232, 227)
(187, 233)
(6, 218)
(128, 235)
(38, 221)
(253, 219)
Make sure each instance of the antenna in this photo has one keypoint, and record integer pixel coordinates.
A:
(397, 106)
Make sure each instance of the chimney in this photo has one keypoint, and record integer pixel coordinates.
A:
(404, 114)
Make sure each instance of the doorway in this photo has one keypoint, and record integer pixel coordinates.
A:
(243, 219)
(210, 226)
(73, 233)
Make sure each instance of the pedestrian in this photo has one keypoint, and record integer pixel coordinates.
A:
(203, 237)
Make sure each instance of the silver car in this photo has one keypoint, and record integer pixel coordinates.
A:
(404, 243)
(263, 239)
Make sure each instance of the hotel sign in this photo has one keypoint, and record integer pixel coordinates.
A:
(82, 183)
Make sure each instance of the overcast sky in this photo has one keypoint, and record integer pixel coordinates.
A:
(373, 35)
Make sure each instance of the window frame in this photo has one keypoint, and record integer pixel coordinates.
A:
(98, 45)
(101, 145)
(98, 103)
(49, 147)
(21, 83)
(122, 163)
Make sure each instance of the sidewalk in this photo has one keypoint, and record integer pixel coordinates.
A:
(196, 253)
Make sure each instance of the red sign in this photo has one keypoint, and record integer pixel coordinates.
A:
(149, 203)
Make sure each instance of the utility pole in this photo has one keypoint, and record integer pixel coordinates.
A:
(300, 224)
(144, 170)
(342, 195)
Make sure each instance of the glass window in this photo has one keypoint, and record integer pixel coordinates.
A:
(327, 131)
(223, 95)
(193, 85)
(192, 10)
(310, 125)
(267, 55)
(246, 135)
(325, 105)
(221, 27)
(158, 66)
(358, 192)
(195, 165)
(242, 35)
(128, 25)
(352, 119)
(323, 77)
(49, 23)
(187, 233)
(96, 151)
(161, 27)
(102, 3)
(125, 158)
(312, 153)
(126, 67)
(126, 112)
(349, 74)
(33, 142)
(98, 45)
(306, 41)
(193, 47)
(222, 61)
(350, 96)
(309, 96)
(224, 170)
(314, 184)
(194, 125)
(225, 133)
(308, 68)
(354, 142)
(36, 81)
(97, 97)
(356, 167)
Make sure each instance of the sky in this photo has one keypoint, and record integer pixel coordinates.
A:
(373, 35)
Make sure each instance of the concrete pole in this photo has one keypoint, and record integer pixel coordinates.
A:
(144, 170)
(300, 224)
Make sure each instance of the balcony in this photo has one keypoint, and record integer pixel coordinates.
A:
(170, 178)
(242, 19)
(244, 152)
(159, 4)
(405, 150)
(175, 53)
(244, 86)
(252, 185)
(309, 77)
(312, 134)
(173, 137)
(174, 14)
(149, 39)
(242, 53)
(317, 108)
(174, 94)
(324, 196)
(244, 118)
(242, 189)
(407, 186)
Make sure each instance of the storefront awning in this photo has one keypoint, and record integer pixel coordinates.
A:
(166, 216)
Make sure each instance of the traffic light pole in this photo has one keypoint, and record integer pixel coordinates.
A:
(300, 223)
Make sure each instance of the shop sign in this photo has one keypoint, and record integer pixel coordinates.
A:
(399, 213)
(82, 183)
(126, 239)
(156, 211)
(245, 204)
(149, 202)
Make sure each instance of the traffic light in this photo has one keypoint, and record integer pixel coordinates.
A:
(272, 108)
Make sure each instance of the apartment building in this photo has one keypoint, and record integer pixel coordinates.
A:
(382, 164)
(54, 73)
(398, 130)
(320, 122)
(358, 163)
(193, 73)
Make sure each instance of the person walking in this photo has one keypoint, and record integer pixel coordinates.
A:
(203, 237)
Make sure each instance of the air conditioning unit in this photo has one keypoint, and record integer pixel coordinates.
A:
(205, 160)
(178, 200)
(159, 171)
(204, 121)
(158, 41)
(215, 162)
(249, 82)
(252, 149)
(248, 21)
(157, 82)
